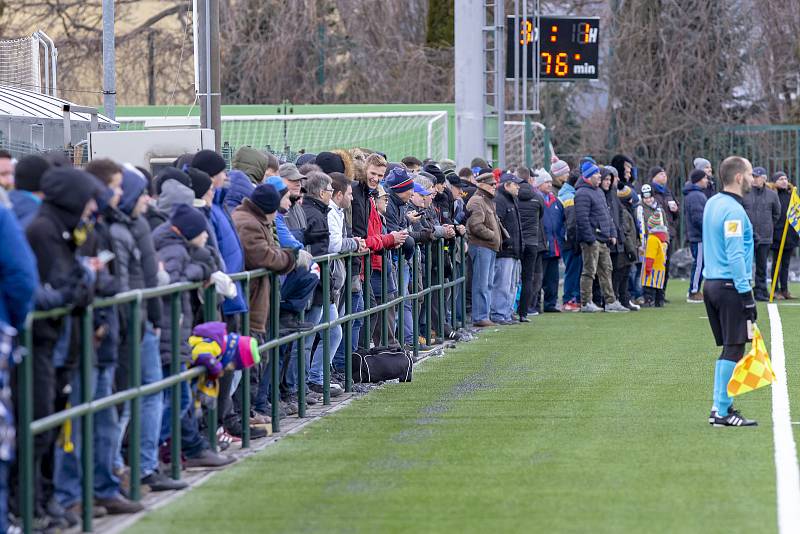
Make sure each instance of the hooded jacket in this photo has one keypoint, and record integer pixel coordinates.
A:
(230, 248)
(592, 217)
(531, 211)
(260, 252)
(252, 162)
(18, 277)
(172, 193)
(240, 189)
(553, 224)
(694, 202)
(763, 207)
(483, 226)
(615, 210)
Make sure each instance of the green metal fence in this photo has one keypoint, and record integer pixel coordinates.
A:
(434, 257)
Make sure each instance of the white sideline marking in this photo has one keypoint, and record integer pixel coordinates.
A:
(786, 468)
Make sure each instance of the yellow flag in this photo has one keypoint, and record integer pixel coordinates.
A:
(793, 212)
(754, 370)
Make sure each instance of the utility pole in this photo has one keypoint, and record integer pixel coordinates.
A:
(207, 53)
(109, 61)
(470, 140)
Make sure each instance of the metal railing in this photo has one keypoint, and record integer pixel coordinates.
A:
(28, 428)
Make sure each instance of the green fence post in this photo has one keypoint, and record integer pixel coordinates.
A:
(426, 283)
(25, 414)
(174, 369)
(210, 314)
(528, 136)
(301, 372)
(402, 289)
(366, 327)
(454, 290)
(134, 381)
(463, 274)
(246, 372)
(348, 326)
(87, 441)
(547, 153)
(440, 282)
(415, 300)
(326, 334)
(274, 331)
(386, 264)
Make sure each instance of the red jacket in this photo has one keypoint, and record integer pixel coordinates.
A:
(376, 239)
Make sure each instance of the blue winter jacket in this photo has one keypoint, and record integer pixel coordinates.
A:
(241, 188)
(694, 202)
(286, 237)
(26, 206)
(592, 218)
(230, 248)
(18, 274)
(554, 226)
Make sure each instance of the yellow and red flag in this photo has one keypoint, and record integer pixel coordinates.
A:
(754, 370)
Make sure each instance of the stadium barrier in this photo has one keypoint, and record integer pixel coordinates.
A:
(28, 428)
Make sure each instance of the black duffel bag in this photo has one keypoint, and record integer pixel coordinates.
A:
(382, 363)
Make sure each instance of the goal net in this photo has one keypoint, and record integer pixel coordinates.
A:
(398, 134)
(19, 63)
(517, 149)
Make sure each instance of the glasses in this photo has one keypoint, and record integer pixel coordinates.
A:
(329, 190)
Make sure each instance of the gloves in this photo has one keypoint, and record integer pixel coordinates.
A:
(163, 278)
(224, 285)
(304, 258)
(749, 304)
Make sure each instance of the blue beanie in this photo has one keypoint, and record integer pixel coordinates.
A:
(133, 185)
(267, 198)
(276, 182)
(589, 169)
(189, 221)
(399, 181)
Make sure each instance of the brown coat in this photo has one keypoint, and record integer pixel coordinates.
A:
(483, 228)
(260, 252)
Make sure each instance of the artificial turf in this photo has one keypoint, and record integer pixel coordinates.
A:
(573, 423)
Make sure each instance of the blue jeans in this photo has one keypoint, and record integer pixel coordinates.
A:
(67, 474)
(482, 273)
(192, 443)
(504, 287)
(297, 288)
(635, 281)
(697, 267)
(573, 265)
(315, 366)
(357, 305)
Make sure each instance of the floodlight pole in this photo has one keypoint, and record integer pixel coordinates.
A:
(470, 137)
(207, 52)
(109, 61)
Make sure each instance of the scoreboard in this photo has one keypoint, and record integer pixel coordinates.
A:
(568, 47)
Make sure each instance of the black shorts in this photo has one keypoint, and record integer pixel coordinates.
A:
(726, 313)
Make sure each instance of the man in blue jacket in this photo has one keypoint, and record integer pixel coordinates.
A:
(694, 202)
(731, 308)
(594, 231)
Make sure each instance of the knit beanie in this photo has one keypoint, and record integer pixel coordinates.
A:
(480, 163)
(330, 162)
(436, 172)
(209, 162)
(654, 171)
(589, 169)
(655, 223)
(189, 221)
(701, 163)
(697, 175)
(559, 167)
(399, 181)
(308, 157)
(647, 191)
(612, 171)
(171, 173)
(541, 177)
(267, 198)
(133, 185)
(29, 171)
(625, 193)
(775, 177)
(447, 165)
(201, 181)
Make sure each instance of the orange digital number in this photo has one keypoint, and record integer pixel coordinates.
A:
(562, 68)
(527, 33)
(583, 32)
(548, 62)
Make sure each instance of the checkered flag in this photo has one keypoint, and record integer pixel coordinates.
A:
(754, 370)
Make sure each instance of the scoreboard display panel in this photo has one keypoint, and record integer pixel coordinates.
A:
(568, 47)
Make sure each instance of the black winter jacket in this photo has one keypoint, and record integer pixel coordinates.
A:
(507, 208)
(592, 216)
(764, 209)
(531, 211)
(694, 203)
(615, 210)
(316, 235)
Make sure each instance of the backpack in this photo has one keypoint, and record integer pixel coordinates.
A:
(380, 364)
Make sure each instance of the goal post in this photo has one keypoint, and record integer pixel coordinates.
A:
(420, 133)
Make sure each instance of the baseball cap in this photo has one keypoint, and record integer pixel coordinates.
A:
(288, 171)
(421, 190)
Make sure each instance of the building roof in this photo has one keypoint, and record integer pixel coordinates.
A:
(31, 105)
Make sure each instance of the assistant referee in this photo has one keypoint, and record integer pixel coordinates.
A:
(728, 256)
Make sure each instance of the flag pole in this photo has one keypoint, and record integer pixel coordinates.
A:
(777, 267)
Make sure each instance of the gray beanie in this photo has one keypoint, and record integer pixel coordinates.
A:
(701, 163)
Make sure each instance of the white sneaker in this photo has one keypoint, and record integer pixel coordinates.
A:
(616, 307)
(591, 308)
(634, 306)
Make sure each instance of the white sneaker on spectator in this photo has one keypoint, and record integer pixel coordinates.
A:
(634, 306)
(591, 308)
(616, 307)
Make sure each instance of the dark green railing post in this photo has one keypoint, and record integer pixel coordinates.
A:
(415, 300)
(366, 327)
(274, 356)
(246, 372)
(386, 264)
(454, 290)
(463, 275)
(87, 427)
(348, 326)
(134, 381)
(25, 414)
(426, 283)
(174, 369)
(210, 314)
(440, 282)
(402, 289)
(301, 372)
(326, 334)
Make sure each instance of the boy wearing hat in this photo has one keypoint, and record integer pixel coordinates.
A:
(655, 258)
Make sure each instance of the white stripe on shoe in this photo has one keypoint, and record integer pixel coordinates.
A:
(786, 468)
